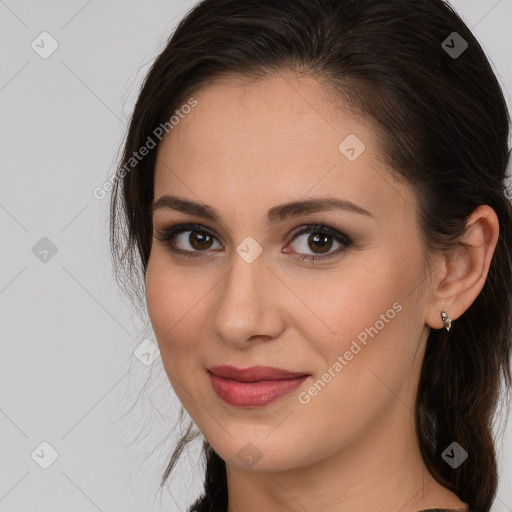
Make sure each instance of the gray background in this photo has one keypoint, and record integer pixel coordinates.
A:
(68, 372)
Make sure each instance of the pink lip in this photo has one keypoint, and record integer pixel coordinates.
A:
(254, 386)
(254, 373)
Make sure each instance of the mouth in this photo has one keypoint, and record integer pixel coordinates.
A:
(255, 386)
(254, 373)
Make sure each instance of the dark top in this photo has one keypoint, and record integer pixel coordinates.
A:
(423, 510)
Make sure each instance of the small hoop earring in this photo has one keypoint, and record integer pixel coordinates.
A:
(447, 321)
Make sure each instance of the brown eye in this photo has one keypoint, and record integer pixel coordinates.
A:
(191, 240)
(320, 241)
(202, 239)
(186, 239)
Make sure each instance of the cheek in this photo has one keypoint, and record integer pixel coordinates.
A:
(348, 304)
(159, 298)
(369, 317)
(175, 311)
(367, 358)
(174, 307)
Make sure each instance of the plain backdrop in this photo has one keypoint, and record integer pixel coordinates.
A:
(77, 391)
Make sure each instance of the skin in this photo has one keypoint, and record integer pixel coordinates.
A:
(243, 149)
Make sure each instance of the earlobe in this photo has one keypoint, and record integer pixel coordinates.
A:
(465, 270)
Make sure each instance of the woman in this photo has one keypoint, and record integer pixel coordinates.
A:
(313, 194)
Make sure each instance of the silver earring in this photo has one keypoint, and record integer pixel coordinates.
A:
(447, 321)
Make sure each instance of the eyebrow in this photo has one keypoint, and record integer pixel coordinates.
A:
(274, 215)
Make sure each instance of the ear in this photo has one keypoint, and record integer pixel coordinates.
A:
(463, 273)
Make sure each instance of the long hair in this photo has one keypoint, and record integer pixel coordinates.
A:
(444, 127)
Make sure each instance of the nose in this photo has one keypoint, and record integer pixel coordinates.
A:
(250, 304)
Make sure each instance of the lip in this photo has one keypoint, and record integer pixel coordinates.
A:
(255, 386)
(254, 373)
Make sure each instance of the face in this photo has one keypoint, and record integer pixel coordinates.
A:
(244, 291)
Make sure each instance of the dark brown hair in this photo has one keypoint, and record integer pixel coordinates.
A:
(444, 129)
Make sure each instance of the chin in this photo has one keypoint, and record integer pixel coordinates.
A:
(244, 454)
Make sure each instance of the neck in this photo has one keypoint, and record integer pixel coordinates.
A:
(381, 470)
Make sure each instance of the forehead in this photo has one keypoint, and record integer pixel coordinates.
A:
(272, 141)
(266, 114)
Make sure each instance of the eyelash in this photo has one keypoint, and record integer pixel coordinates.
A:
(169, 232)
